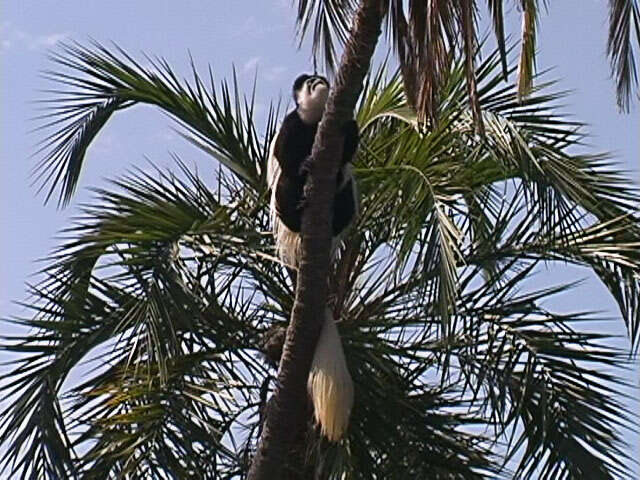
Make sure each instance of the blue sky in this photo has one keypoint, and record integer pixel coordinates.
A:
(252, 35)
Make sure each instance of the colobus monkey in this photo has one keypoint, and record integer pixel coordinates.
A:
(330, 385)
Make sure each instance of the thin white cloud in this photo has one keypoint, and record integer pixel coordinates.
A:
(267, 73)
(13, 37)
(252, 28)
(274, 73)
(249, 25)
(251, 64)
(46, 41)
(105, 142)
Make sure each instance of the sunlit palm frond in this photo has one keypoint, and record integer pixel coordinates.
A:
(531, 201)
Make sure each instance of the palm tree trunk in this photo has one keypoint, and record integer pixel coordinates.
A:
(287, 418)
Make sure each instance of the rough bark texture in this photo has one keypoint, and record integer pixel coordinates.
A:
(287, 416)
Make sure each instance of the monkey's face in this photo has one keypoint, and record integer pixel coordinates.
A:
(311, 93)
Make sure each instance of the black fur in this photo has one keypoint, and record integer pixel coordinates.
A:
(292, 148)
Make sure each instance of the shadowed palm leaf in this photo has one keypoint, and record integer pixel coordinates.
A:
(428, 34)
(104, 82)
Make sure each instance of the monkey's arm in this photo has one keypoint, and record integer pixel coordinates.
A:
(289, 148)
(351, 139)
(344, 208)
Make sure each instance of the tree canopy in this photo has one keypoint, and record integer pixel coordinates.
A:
(167, 295)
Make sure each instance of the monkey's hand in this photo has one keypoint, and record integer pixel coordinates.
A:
(305, 167)
(303, 171)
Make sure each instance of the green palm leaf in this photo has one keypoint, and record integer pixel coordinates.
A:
(104, 82)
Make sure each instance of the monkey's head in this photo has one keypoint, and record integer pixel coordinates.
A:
(310, 92)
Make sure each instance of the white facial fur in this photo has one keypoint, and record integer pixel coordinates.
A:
(312, 98)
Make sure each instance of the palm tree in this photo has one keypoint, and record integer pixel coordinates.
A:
(167, 299)
(435, 32)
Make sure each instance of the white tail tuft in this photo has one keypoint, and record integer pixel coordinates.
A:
(330, 385)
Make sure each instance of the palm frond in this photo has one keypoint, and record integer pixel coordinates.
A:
(104, 81)
(330, 21)
(546, 214)
(526, 64)
(624, 19)
(467, 25)
(423, 38)
(532, 367)
(611, 249)
(497, 17)
(163, 319)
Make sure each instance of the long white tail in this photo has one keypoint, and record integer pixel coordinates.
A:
(330, 385)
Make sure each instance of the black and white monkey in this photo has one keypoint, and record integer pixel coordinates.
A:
(330, 385)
